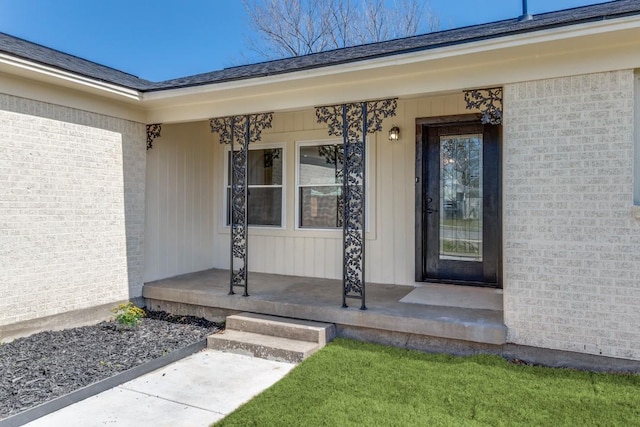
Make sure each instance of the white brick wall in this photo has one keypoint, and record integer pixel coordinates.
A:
(572, 246)
(71, 209)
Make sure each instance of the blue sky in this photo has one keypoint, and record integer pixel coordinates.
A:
(163, 39)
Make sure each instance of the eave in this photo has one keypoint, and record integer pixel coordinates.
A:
(33, 70)
(555, 52)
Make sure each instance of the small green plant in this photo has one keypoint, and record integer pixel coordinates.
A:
(128, 315)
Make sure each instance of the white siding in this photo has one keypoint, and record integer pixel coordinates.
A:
(185, 194)
(180, 202)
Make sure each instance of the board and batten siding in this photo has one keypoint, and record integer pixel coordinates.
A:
(180, 230)
(185, 200)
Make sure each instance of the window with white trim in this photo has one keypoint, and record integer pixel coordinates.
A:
(319, 185)
(265, 173)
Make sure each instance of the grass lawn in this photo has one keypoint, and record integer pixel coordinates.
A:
(350, 383)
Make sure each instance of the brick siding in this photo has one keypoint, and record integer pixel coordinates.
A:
(572, 245)
(71, 209)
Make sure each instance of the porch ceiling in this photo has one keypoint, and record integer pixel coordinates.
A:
(320, 300)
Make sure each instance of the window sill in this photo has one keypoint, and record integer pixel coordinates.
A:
(283, 232)
(635, 212)
(257, 231)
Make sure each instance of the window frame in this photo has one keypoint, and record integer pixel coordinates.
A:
(282, 186)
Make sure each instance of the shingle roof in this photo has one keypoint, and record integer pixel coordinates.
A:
(63, 61)
(44, 55)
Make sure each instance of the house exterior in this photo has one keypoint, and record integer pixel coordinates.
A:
(516, 168)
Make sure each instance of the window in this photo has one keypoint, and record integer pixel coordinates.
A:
(320, 185)
(265, 183)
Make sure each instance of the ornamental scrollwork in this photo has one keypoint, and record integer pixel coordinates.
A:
(352, 122)
(153, 132)
(235, 127)
(488, 101)
(379, 110)
(240, 132)
(333, 115)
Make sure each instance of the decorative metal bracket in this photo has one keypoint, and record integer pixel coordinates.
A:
(353, 122)
(488, 101)
(153, 132)
(239, 131)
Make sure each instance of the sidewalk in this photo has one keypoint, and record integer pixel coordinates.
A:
(196, 391)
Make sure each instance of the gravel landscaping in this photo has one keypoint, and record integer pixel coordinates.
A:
(43, 366)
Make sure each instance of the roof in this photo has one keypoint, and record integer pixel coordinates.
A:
(63, 61)
(50, 57)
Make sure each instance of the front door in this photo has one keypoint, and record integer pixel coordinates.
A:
(457, 190)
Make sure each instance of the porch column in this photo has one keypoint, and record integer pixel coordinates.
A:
(353, 122)
(239, 132)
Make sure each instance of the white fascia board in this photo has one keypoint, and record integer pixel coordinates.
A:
(65, 78)
(427, 55)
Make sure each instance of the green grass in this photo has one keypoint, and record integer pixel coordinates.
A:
(350, 383)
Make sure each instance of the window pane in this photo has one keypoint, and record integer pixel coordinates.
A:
(265, 206)
(320, 207)
(264, 167)
(320, 164)
(461, 197)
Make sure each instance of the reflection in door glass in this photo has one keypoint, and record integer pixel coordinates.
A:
(461, 197)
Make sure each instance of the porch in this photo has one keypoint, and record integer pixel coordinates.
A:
(430, 317)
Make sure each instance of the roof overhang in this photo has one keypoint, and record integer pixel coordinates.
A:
(555, 52)
(579, 49)
(32, 80)
(28, 69)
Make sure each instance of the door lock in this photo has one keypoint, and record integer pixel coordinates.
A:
(429, 210)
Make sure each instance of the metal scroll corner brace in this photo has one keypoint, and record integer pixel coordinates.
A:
(153, 132)
(239, 132)
(488, 101)
(353, 122)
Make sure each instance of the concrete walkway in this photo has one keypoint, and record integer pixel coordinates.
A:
(196, 391)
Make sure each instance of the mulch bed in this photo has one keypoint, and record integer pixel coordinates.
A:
(43, 366)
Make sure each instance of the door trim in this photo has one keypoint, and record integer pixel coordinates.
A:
(420, 190)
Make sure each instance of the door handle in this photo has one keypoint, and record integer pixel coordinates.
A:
(429, 210)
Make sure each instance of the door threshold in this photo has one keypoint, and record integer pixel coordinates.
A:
(469, 283)
(445, 295)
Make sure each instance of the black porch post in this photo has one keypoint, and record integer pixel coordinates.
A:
(353, 122)
(345, 208)
(363, 213)
(245, 130)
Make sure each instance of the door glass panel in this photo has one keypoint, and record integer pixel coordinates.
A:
(461, 197)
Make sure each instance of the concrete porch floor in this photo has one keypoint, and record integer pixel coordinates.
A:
(438, 311)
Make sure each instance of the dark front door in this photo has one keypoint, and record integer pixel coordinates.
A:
(458, 214)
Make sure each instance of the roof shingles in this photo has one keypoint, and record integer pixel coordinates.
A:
(37, 53)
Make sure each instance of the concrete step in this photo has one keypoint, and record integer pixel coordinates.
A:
(302, 330)
(263, 346)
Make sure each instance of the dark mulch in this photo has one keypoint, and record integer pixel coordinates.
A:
(47, 365)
